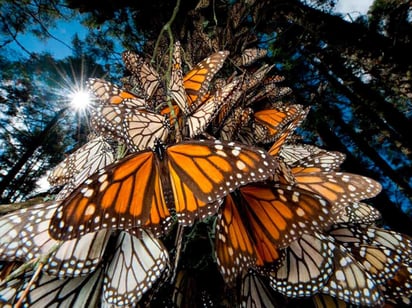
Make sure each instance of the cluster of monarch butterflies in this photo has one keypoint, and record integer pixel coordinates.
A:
(219, 157)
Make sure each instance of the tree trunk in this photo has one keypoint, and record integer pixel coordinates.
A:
(36, 142)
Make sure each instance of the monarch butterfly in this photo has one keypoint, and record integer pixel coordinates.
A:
(305, 155)
(292, 152)
(228, 107)
(24, 236)
(285, 133)
(323, 161)
(351, 234)
(397, 289)
(251, 55)
(177, 89)
(350, 282)
(271, 91)
(131, 271)
(139, 129)
(254, 293)
(49, 291)
(110, 94)
(134, 268)
(146, 76)
(307, 265)
(189, 92)
(239, 117)
(276, 119)
(250, 232)
(339, 188)
(273, 79)
(251, 81)
(253, 134)
(196, 81)
(357, 212)
(198, 121)
(89, 158)
(384, 254)
(124, 194)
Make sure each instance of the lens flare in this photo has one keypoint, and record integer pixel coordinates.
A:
(80, 100)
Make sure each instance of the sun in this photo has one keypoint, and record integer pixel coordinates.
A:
(80, 100)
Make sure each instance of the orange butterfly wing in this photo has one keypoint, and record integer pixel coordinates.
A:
(196, 82)
(205, 171)
(250, 233)
(339, 188)
(285, 133)
(284, 212)
(120, 196)
(235, 249)
(276, 119)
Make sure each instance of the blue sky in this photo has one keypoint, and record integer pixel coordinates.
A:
(66, 30)
(354, 8)
(64, 34)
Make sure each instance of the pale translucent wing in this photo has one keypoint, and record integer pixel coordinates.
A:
(306, 268)
(138, 129)
(134, 268)
(143, 129)
(254, 293)
(357, 212)
(147, 76)
(177, 90)
(92, 156)
(108, 120)
(205, 113)
(24, 235)
(292, 152)
(250, 55)
(49, 291)
(251, 81)
(350, 282)
(324, 161)
(356, 234)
